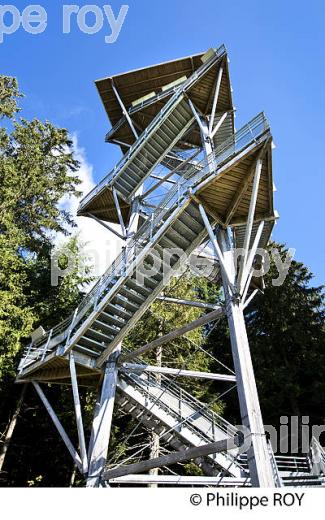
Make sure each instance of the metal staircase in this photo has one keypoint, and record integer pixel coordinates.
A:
(152, 146)
(183, 421)
(180, 419)
(117, 301)
(160, 140)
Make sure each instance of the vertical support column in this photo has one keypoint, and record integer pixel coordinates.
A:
(155, 446)
(207, 144)
(259, 461)
(134, 217)
(101, 428)
(133, 222)
(77, 406)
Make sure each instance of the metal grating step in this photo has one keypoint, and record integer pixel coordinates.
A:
(131, 293)
(106, 326)
(109, 318)
(127, 303)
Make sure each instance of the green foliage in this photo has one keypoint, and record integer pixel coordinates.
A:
(37, 168)
(9, 94)
(287, 337)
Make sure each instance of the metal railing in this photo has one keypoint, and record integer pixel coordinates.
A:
(174, 198)
(199, 419)
(274, 465)
(167, 108)
(133, 109)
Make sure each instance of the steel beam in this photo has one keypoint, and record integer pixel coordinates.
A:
(203, 320)
(182, 480)
(218, 125)
(259, 461)
(77, 406)
(73, 452)
(124, 110)
(250, 298)
(109, 228)
(215, 99)
(244, 185)
(197, 116)
(134, 367)
(216, 246)
(190, 303)
(250, 259)
(250, 220)
(102, 422)
(226, 444)
(119, 212)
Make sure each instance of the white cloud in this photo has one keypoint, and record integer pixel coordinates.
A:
(100, 245)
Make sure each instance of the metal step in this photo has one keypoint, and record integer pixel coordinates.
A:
(127, 303)
(109, 318)
(131, 282)
(183, 229)
(97, 346)
(154, 149)
(106, 326)
(119, 311)
(131, 293)
(179, 239)
(100, 336)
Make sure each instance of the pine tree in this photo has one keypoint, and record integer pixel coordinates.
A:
(285, 327)
(287, 337)
(37, 168)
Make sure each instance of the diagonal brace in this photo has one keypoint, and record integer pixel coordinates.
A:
(73, 452)
(216, 247)
(226, 444)
(119, 212)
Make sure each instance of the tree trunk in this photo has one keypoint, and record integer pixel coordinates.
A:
(155, 447)
(11, 427)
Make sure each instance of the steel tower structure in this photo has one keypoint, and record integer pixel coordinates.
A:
(174, 123)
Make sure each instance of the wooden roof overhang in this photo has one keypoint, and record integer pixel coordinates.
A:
(227, 192)
(138, 84)
(55, 369)
(152, 83)
(103, 207)
(226, 195)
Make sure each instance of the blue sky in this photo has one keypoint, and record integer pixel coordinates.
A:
(277, 55)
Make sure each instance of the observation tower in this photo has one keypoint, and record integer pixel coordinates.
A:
(187, 179)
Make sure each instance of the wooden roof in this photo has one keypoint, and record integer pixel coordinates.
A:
(137, 84)
(55, 369)
(103, 207)
(220, 193)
